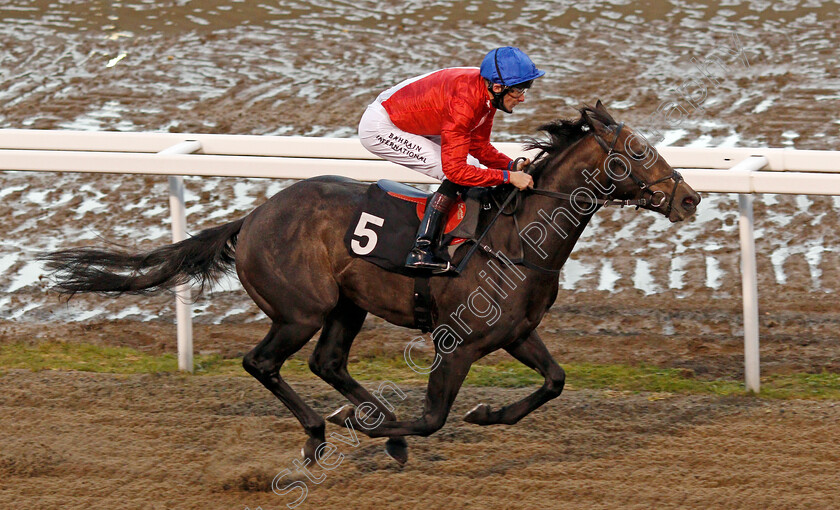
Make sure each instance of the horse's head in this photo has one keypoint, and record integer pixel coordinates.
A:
(633, 170)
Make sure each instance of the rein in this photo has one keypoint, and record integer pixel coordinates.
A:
(599, 201)
(606, 202)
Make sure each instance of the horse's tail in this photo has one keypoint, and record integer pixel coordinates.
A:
(204, 258)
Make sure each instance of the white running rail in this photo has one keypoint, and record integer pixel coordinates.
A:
(782, 171)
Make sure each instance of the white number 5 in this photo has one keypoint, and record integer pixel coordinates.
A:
(363, 231)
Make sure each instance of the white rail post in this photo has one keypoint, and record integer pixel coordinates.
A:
(183, 309)
(749, 277)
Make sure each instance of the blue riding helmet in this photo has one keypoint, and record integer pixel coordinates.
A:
(509, 66)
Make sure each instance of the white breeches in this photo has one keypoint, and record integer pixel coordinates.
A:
(421, 153)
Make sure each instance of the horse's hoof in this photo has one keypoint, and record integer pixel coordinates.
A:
(479, 415)
(308, 450)
(340, 415)
(397, 448)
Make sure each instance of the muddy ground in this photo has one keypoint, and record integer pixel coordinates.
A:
(76, 440)
(82, 440)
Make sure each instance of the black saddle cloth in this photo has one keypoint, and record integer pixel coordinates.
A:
(383, 228)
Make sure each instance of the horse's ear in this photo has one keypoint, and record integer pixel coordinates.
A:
(592, 120)
(599, 106)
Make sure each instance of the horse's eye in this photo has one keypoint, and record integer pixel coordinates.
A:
(636, 152)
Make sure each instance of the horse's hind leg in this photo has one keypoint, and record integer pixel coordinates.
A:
(329, 362)
(264, 363)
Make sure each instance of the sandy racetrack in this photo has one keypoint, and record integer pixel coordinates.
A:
(74, 440)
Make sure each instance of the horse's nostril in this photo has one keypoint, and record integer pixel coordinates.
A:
(689, 203)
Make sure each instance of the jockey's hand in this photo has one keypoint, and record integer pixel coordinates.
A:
(521, 180)
(523, 164)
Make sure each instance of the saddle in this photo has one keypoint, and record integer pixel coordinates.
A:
(384, 226)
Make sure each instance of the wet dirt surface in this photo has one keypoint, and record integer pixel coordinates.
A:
(307, 68)
(636, 290)
(76, 440)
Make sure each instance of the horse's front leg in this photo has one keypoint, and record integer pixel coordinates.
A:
(532, 352)
(444, 383)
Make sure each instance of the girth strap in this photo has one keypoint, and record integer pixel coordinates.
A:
(423, 319)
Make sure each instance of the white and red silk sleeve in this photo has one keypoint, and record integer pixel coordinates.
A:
(457, 141)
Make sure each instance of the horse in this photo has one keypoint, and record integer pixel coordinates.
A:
(289, 255)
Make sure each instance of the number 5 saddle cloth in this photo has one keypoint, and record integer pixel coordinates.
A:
(384, 226)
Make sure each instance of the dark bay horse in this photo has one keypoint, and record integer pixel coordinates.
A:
(290, 257)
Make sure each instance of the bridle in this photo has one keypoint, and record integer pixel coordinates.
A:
(610, 150)
(606, 202)
(646, 188)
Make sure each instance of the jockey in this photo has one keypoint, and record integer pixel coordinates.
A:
(439, 124)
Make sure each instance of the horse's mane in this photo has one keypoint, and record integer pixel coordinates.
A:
(563, 133)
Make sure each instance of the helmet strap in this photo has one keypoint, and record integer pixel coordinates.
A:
(498, 101)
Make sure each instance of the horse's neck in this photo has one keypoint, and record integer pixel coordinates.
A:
(559, 222)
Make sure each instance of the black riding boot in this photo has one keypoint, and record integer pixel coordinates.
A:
(422, 256)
